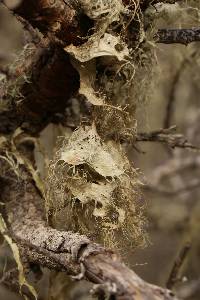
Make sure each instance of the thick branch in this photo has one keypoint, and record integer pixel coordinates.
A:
(42, 82)
(180, 36)
(56, 19)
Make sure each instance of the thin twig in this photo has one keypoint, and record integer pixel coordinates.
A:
(174, 276)
(34, 33)
(166, 136)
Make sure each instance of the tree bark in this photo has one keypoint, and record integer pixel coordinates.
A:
(42, 82)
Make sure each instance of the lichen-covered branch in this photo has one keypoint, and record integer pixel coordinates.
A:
(178, 36)
(65, 251)
(65, 22)
(56, 19)
(33, 94)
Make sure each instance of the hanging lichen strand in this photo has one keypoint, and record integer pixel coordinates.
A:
(91, 185)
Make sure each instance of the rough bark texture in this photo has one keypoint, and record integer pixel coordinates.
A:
(44, 80)
(57, 19)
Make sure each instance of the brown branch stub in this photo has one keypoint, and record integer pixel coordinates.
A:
(174, 276)
(180, 36)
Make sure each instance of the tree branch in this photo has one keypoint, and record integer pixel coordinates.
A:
(166, 136)
(60, 20)
(33, 93)
(65, 251)
(73, 28)
(174, 274)
(178, 36)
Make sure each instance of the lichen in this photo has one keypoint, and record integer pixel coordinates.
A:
(95, 184)
(92, 187)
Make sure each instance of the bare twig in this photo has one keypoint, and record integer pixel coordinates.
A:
(68, 29)
(174, 276)
(166, 136)
(178, 36)
(34, 33)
